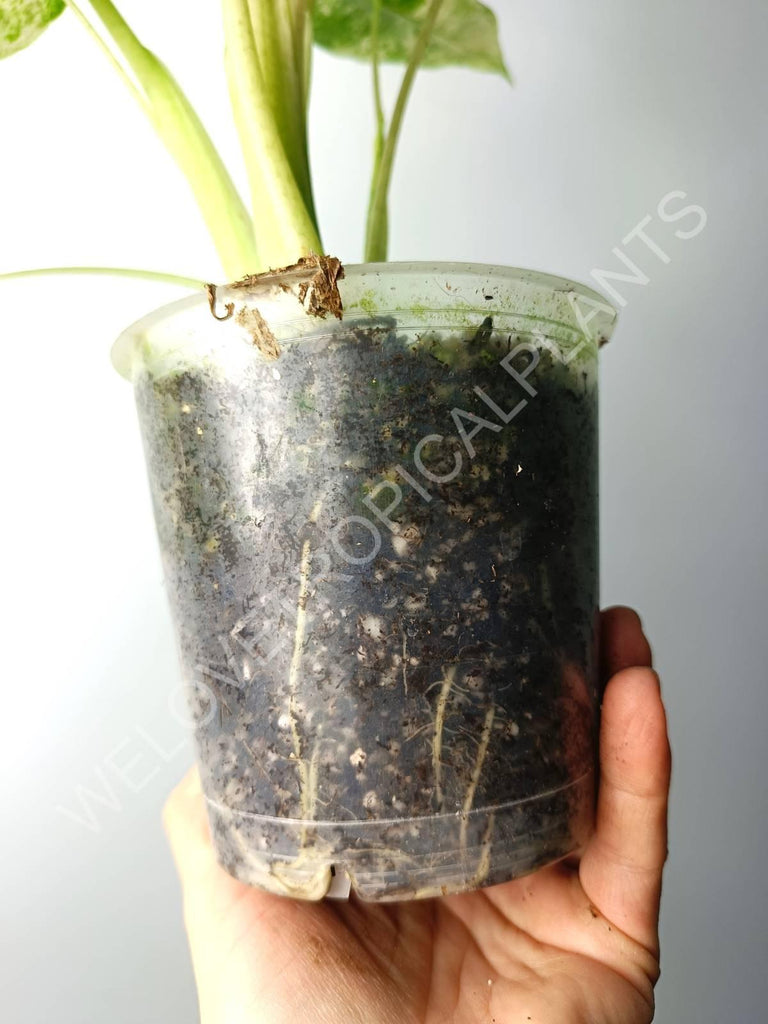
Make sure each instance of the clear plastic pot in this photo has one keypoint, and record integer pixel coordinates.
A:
(379, 535)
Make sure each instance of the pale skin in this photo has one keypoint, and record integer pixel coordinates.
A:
(575, 943)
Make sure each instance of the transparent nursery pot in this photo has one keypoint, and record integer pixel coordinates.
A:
(379, 536)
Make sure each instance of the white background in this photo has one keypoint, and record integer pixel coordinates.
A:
(616, 103)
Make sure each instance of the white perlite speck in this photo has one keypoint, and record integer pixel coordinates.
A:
(373, 625)
(358, 759)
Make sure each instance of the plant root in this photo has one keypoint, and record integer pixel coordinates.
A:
(293, 673)
(307, 770)
(210, 291)
(437, 742)
(484, 863)
(259, 330)
(405, 664)
(316, 278)
(469, 796)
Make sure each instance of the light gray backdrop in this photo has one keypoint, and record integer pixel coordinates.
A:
(616, 105)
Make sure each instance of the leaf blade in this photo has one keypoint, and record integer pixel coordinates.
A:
(22, 21)
(465, 35)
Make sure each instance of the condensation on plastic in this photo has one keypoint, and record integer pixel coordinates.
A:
(389, 657)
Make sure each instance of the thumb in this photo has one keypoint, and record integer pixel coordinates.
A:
(622, 866)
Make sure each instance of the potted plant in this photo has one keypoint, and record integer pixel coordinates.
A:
(375, 488)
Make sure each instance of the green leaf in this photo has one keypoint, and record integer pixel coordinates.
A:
(465, 34)
(22, 21)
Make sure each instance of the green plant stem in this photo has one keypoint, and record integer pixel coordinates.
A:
(146, 275)
(303, 32)
(278, 29)
(378, 145)
(377, 230)
(303, 40)
(376, 70)
(178, 125)
(285, 223)
(130, 83)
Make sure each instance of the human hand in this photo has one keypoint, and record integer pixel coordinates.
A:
(575, 943)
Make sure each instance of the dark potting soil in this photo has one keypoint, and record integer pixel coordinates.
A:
(427, 670)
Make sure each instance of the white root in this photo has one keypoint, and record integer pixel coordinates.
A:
(484, 864)
(469, 796)
(307, 770)
(405, 663)
(293, 673)
(437, 742)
